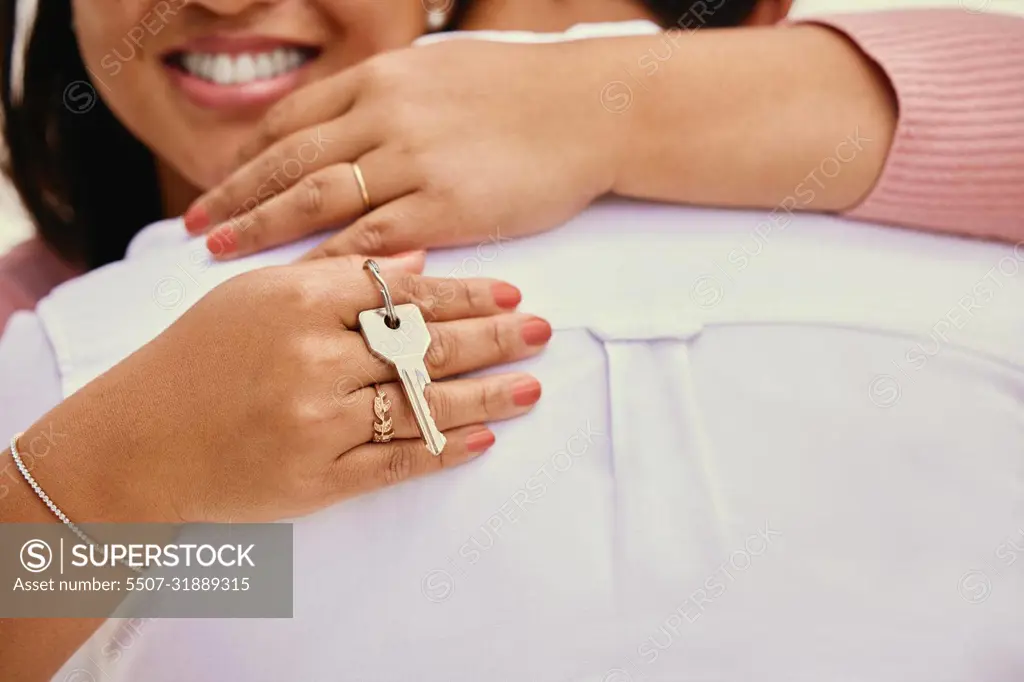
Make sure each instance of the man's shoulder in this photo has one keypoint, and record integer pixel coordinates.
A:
(97, 319)
(622, 266)
(620, 269)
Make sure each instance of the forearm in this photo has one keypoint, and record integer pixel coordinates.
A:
(749, 117)
(71, 453)
(35, 648)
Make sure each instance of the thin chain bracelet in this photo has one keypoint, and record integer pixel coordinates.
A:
(46, 498)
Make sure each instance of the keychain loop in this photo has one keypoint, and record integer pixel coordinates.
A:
(390, 316)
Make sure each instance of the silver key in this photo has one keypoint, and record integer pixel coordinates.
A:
(405, 348)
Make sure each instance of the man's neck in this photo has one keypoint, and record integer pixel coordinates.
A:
(548, 15)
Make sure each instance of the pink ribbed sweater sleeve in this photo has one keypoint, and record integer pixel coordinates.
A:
(957, 158)
(27, 274)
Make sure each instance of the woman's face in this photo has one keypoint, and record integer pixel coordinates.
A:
(191, 78)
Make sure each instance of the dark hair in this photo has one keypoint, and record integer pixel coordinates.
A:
(714, 14)
(90, 184)
(687, 14)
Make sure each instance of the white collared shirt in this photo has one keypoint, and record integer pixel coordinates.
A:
(773, 448)
(789, 451)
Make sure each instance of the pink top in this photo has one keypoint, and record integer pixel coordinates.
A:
(957, 159)
(27, 273)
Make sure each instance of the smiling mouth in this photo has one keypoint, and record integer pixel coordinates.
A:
(242, 68)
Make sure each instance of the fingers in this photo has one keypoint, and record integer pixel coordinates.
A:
(454, 403)
(394, 227)
(458, 347)
(280, 167)
(377, 465)
(409, 263)
(324, 198)
(299, 135)
(321, 101)
(439, 298)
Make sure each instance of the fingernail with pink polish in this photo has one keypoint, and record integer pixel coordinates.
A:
(526, 392)
(222, 241)
(536, 332)
(478, 441)
(196, 219)
(506, 296)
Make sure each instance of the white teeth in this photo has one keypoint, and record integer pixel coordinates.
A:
(239, 69)
(264, 66)
(245, 69)
(223, 72)
(280, 60)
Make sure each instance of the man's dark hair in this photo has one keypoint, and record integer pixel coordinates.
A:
(697, 14)
(686, 14)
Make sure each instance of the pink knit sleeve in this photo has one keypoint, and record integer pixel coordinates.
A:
(27, 273)
(957, 159)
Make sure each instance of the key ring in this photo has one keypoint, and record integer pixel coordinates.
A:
(390, 316)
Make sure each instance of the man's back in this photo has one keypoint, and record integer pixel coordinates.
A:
(764, 452)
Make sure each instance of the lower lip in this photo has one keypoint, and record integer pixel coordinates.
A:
(256, 94)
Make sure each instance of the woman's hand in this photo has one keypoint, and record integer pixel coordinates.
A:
(258, 403)
(456, 142)
(461, 140)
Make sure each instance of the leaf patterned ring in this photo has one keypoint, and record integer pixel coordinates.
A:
(382, 428)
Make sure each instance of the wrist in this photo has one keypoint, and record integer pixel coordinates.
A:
(82, 457)
(605, 103)
(629, 137)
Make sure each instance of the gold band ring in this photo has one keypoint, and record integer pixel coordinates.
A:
(382, 432)
(362, 187)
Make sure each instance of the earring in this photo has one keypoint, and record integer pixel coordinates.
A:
(438, 12)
